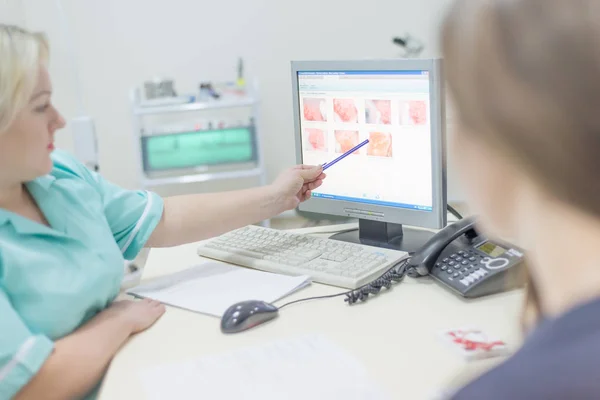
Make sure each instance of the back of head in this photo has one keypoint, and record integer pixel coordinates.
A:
(21, 53)
(525, 76)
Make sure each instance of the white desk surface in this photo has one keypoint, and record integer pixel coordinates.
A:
(394, 335)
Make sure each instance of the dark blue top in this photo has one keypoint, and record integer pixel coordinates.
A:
(559, 360)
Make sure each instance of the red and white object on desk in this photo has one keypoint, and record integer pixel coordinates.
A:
(474, 344)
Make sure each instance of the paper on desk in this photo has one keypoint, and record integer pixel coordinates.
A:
(306, 367)
(212, 287)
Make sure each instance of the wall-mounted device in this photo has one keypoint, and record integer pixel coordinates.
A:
(411, 46)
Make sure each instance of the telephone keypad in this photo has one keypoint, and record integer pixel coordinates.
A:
(473, 277)
(467, 269)
(463, 266)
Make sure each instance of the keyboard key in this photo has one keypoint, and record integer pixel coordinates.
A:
(248, 253)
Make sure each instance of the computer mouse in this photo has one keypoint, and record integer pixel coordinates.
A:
(247, 314)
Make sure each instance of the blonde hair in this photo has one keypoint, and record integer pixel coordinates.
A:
(525, 76)
(21, 53)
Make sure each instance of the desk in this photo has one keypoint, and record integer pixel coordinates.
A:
(395, 335)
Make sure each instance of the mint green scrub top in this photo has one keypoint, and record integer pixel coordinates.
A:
(53, 280)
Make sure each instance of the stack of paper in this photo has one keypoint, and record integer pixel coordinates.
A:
(309, 367)
(212, 287)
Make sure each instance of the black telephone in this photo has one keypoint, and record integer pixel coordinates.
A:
(467, 263)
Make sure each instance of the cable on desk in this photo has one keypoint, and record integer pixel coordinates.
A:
(392, 275)
(395, 274)
(312, 298)
(346, 231)
(453, 211)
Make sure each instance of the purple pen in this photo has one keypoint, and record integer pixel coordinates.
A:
(352, 150)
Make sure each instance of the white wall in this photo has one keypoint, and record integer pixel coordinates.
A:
(120, 43)
(11, 12)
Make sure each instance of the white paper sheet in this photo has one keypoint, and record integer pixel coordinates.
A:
(212, 287)
(306, 367)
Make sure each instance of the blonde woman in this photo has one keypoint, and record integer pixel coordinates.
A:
(525, 77)
(64, 232)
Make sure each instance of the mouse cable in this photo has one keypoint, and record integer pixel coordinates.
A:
(453, 211)
(393, 274)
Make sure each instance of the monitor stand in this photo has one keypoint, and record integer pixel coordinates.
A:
(386, 235)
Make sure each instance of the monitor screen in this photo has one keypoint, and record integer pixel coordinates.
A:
(340, 109)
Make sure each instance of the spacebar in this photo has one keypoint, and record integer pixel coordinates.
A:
(248, 253)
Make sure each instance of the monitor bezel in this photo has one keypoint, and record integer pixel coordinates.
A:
(434, 219)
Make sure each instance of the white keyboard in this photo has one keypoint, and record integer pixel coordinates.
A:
(325, 260)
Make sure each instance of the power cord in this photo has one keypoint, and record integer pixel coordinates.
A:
(394, 274)
(453, 211)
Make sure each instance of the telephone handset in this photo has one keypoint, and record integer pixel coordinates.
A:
(469, 264)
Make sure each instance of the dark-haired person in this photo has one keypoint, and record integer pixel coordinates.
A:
(525, 78)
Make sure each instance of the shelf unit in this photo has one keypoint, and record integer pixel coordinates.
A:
(202, 173)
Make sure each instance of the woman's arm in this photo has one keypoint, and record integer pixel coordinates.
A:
(80, 359)
(192, 218)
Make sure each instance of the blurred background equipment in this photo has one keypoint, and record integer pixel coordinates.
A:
(411, 46)
(158, 87)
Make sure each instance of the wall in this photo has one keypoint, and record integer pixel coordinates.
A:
(11, 12)
(120, 43)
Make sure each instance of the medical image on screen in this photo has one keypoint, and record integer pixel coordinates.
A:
(378, 112)
(315, 109)
(315, 139)
(380, 144)
(386, 115)
(345, 141)
(413, 112)
(345, 110)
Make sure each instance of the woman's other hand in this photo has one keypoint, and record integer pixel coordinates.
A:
(138, 315)
(295, 185)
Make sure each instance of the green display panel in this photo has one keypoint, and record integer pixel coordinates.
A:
(199, 148)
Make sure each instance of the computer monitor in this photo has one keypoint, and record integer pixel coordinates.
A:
(399, 177)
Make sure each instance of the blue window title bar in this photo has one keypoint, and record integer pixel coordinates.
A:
(372, 202)
(389, 72)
